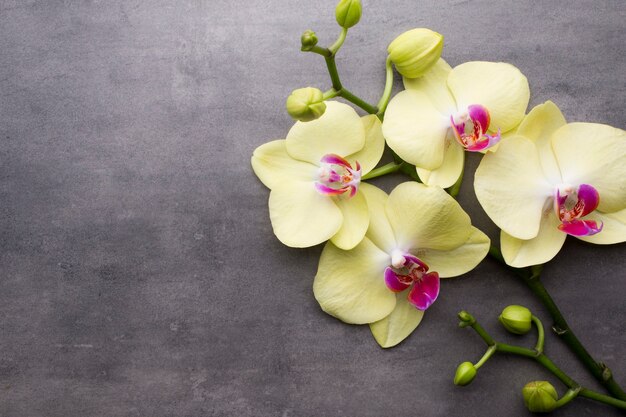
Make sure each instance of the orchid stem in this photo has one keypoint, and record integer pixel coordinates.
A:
(574, 388)
(384, 100)
(389, 168)
(531, 277)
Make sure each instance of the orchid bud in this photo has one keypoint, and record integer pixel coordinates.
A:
(309, 40)
(416, 51)
(540, 396)
(465, 373)
(348, 13)
(306, 104)
(516, 319)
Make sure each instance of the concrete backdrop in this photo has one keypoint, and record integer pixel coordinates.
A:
(140, 275)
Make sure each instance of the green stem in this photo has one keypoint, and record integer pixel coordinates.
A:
(358, 101)
(599, 370)
(332, 71)
(456, 187)
(332, 93)
(389, 168)
(384, 100)
(574, 388)
(340, 40)
(540, 334)
(587, 393)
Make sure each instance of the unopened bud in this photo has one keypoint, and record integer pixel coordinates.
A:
(540, 396)
(516, 319)
(309, 40)
(416, 51)
(465, 373)
(348, 13)
(306, 104)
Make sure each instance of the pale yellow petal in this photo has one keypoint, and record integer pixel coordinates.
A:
(614, 230)
(355, 220)
(371, 153)
(498, 86)
(379, 230)
(301, 216)
(446, 175)
(539, 125)
(273, 165)
(511, 188)
(339, 131)
(425, 217)
(538, 250)
(458, 261)
(350, 285)
(415, 129)
(594, 154)
(398, 325)
(435, 85)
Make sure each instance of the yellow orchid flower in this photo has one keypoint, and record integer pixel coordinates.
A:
(551, 179)
(448, 111)
(314, 176)
(417, 234)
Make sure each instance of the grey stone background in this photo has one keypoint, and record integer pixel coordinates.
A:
(140, 275)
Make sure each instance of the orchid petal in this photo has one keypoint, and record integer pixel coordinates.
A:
(580, 228)
(371, 153)
(273, 165)
(450, 170)
(426, 218)
(511, 188)
(350, 284)
(379, 231)
(425, 292)
(301, 216)
(458, 261)
(355, 221)
(435, 85)
(614, 230)
(329, 191)
(398, 325)
(332, 158)
(588, 197)
(498, 86)
(392, 281)
(539, 125)
(520, 253)
(590, 153)
(415, 129)
(339, 131)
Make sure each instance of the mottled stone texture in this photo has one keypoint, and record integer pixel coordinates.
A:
(140, 275)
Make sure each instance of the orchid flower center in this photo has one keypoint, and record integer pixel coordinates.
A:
(407, 270)
(570, 204)
(336, 176)
(470, 128)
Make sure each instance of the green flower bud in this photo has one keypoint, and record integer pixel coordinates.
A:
(465, 373)
(309, 40)
(416, 51)
(516, 319)
(540, 396)
(306, 104)
(348, 13)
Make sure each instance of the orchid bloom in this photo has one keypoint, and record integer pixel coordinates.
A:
(417, 234)
(552, 179)
(314, 176)
(448, 111)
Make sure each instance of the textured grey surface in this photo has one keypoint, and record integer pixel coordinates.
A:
(140, 276)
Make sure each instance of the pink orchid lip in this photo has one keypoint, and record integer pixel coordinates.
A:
(569, 213)
(477, 139)
(336, 176)
(414, 273)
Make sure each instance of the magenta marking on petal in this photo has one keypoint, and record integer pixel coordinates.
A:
(332, 158)
(392, 281)
(581, 227)
(480, 116)
(588, 198)
(425, 291)
(410, 258)
(328, 190)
